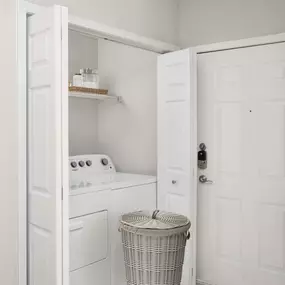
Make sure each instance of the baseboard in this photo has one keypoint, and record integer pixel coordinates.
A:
(201, 282)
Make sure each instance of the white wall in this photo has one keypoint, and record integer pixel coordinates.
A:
(82, 126)
(152, 18)
(208, 21)
(83, 53)
(127, 132)
(8, 145)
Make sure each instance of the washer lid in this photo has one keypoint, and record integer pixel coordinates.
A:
(126, 180)
(156, 220)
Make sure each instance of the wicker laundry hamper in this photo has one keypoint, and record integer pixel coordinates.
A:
(154, 246)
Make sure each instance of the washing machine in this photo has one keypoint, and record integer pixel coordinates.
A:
(99, 195)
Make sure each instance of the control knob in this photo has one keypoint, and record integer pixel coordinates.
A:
(88, 162)
(73, 164)
(104, 161)
(81, 163)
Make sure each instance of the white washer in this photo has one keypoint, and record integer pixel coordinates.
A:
(98, 197)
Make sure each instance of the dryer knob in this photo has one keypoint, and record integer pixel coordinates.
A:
(81, 163)
(88, 162)
(104, 161)
(73, 164)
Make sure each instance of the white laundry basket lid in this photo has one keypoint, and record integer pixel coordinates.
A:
(164, 223)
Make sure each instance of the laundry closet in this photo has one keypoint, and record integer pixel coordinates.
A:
(92, 157)
(115, 124)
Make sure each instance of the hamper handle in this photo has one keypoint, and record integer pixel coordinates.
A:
(187, 235)
(154, 214)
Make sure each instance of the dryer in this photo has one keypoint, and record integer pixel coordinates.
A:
(99, 195)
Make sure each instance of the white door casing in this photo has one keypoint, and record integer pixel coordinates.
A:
(176, 159)
(241, 115)
(48, 147)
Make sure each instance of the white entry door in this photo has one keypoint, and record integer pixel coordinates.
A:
(47, 148)
(241, 119)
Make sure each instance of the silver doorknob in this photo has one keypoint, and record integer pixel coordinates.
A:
(204, 179)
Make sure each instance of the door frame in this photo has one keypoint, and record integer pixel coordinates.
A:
(194, 52)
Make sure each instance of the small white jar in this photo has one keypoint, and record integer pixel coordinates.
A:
(77, 80)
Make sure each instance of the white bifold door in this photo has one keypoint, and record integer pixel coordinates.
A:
(48, 147)
(176, 147)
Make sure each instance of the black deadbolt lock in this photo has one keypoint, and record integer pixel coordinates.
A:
(202, 157)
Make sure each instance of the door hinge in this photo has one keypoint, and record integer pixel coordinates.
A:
(61, 193)
(192, 271)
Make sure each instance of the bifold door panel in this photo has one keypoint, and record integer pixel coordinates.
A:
(174, 166)
(47, 262)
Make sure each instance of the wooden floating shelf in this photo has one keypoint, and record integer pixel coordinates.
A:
(89, 93)
(88, 90)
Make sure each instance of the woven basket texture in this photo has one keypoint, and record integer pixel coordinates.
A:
(153, 259)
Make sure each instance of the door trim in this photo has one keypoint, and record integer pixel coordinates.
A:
(99, 30)
(22, 143)
(243, 43)
(194, 51)
(65, 146)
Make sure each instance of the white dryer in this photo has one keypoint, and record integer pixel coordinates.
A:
(99, 195)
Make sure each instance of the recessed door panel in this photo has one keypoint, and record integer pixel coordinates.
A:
(229, 146)
(271, 135)
(271, 237)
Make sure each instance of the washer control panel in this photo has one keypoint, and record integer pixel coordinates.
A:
(97, 163)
